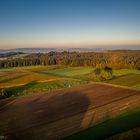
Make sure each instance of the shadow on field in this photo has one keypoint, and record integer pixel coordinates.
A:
(43, 116)
(12, 78)
(15, 91)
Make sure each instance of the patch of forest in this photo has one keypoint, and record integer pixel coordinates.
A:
(113, 59)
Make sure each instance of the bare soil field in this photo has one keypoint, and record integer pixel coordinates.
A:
(63, 112)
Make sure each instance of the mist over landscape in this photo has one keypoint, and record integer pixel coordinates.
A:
(69, 49)
(69, 69)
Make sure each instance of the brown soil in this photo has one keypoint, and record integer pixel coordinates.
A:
(63, 112)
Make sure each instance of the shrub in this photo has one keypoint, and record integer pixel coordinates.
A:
(3, 93)
(105, 75)
(102, 74)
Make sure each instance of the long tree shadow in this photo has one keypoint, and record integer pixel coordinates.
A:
(11, 78)
(44, 116)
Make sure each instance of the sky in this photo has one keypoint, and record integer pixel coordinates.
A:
(69, 23)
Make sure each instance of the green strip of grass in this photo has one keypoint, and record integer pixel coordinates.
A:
(69, 71)
(37, 87)
(131, 80)
(109, 128)
(121, 72)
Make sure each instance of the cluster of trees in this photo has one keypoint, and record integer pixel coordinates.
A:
(102, 74)
(114, 59)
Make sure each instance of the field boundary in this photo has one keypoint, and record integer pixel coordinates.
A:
(114, 85)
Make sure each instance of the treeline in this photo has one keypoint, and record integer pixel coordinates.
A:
(115, 60)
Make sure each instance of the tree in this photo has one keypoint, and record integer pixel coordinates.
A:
(102, 74)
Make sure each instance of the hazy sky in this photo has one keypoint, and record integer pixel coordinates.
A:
(56, 23)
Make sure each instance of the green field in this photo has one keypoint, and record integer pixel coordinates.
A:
(17, 77)
(125, 72)
(30, 80)
(36, 79)
(124, 122)
(122, 77)
(40, 87)
(130, 80)
(126, 77)
(69, 71)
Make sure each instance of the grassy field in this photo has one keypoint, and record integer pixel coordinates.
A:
(69, 71)
(109, 128)
(34, 79)
(18, 78)
(126, 77)
(29, 80)
(123, 77)
(41, 87)
(130, 80)
(31, 68)
(125, 72)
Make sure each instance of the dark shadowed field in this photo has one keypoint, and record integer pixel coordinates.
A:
(63, 112)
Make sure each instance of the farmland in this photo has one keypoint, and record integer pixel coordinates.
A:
(43, 79)
(29, 80)
(68, 86)
(18, 78)
(69, 71)
(131, 80)
(122, 77)
(64, 112)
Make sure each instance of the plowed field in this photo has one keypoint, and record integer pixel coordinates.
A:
(63, 112)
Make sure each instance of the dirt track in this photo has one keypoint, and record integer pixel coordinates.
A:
(64, 112)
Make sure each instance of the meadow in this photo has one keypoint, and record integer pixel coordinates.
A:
(29, 80)
(37, 79)
(126, 77)
(122, 77)
(18, 78)
(130, 80)
(69, 71)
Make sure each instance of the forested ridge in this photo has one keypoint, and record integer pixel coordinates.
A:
(113, 59)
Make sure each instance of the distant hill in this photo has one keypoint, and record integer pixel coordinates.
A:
(46, 50)
(85, 49)
(9, 54)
